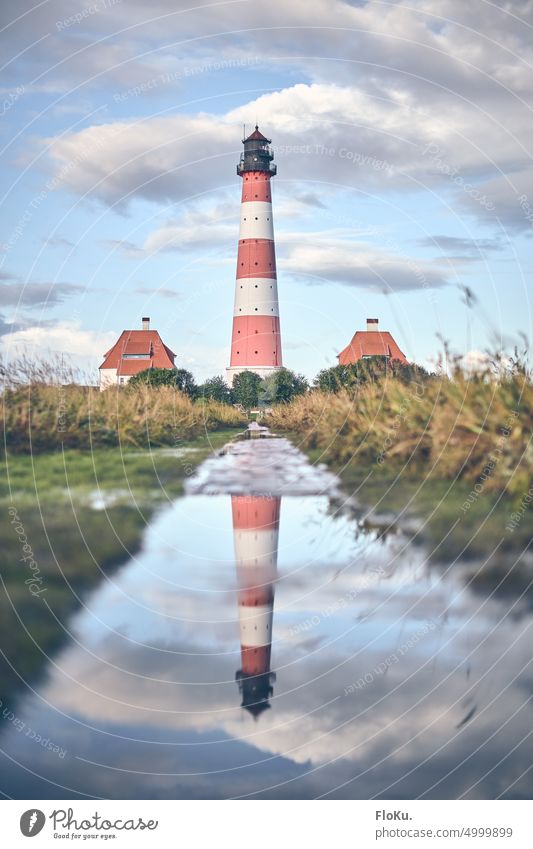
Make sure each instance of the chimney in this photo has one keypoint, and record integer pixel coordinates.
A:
(146, 323)
(371, 324)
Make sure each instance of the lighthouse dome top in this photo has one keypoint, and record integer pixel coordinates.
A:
(256, 136)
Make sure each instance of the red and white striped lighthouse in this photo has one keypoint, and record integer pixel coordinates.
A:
(256, 339)
(255, 529)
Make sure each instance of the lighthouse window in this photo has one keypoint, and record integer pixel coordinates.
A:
(256, 218)
(256, 309)
(255, 286)
(257, 352)
(257, 263)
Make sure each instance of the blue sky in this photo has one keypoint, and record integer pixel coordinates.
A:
(402, 135)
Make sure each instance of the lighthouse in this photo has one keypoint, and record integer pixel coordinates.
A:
(256, 339)
(255, 530)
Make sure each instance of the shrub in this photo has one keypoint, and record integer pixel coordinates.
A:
(216, 389)
(370, 370)
(282, 386)
(180, 378)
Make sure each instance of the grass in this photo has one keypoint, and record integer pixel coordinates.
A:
(458, 428)
(42, 417)
(76, 473)
(83, 473)
(453, 457)
(73, 544)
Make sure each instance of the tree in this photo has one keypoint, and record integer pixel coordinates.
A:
(336, 378)
(246, 389)
(282, 386)
(185, 381)
(367, 370)
(216, 389)
(154, 377)
(180, 378)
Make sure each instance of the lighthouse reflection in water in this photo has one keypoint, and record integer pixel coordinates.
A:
(256, 530)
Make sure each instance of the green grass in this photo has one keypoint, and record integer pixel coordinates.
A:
(78, 472)
(438, 504)
(73, 544)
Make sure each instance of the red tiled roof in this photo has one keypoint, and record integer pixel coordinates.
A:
(137, 346)
(128, 367)
(371, 343)
(139, 342)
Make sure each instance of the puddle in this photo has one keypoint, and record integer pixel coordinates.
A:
(263, 645)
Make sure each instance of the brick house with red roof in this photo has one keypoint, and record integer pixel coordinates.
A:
(371, 342)
(134, 351)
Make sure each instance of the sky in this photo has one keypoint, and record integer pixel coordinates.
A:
(402, 133)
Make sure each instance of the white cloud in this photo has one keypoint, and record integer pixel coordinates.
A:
(197, 227)
(341, 137)
(324, 257)
(66, 337)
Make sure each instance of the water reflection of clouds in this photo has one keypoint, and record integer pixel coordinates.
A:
(178, 693)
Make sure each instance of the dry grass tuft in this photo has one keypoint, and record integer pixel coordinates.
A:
(41, 413)
(464, 427)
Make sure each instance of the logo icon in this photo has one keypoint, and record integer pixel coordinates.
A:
(32, 822)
